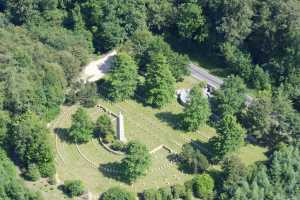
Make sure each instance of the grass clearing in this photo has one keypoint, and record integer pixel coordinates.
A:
(153, 127)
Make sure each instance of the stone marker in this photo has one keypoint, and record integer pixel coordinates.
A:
(120, 128)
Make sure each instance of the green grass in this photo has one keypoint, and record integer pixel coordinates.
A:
(153, 127)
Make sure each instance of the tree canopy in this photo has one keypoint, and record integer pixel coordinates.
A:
(136, 163)
(197, 112)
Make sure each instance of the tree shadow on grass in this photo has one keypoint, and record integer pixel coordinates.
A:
(171, 119)
(112, 170)
(62, 133)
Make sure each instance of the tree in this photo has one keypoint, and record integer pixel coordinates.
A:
(32, 173)
(123, 78)
(4, 123)
(230, 98)
(235, 22)
(233, 172)
(87, 94)
(159, 84)
(73, 188)
(10, 186)
(258, 116)
(275, 24)
(109, 35)
(178, 65)
(117, 193)
(197, 112)
(82, 127)
(191, 23)
(104, 128)
(203, 186)
(28, 138)
(21, 11)
(230, 137)
(136, 162)
(276, 180)
(285, 125)
(240, 62)
(194, 159)
(160, 15)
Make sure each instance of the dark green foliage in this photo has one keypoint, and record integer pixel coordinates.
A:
(136, 163)
(118, 146)
(258, 116)
(277, 180)
(178, 191)
(238, 61)
(204, 186)
(285, 121)
(81, 130)
(32, 173)
(197, 112)
(88, 95)
(143, 44)
(113, 21)
(194, 159)
(4, 121)
(160, 14)
(10, 186)
(178, 65)
(191, 23)
(123, 78)
(230, 98)
(166, 193)
(230, 139)
(104, 128)
(233, 172)
(117, 193)
(235, 21)
(160, 84)
(28, 138)
(149, 194)
(73, 188)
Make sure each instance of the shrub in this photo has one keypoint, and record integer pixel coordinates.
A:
(149, 194)
(193, 159)
(178, 191)
(32, 173)
(73, 188)
(203, 186)
(166, 193)
(47, 169)
(109, 138)
(117, 193)
(104, 126)
(118, 146)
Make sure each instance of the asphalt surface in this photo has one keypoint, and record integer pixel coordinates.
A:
(214, 81)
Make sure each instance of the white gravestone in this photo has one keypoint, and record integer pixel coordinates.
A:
(120, 128)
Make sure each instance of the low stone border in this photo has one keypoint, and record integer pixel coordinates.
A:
(109, 149)
(162, 147)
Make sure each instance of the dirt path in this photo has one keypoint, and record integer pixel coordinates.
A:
(96, 69)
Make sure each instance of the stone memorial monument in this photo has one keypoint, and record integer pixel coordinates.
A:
(120, 128)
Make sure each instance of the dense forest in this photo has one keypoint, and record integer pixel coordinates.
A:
(45, 43)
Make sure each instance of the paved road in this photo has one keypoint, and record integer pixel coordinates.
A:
(203, 75)
(214, 81)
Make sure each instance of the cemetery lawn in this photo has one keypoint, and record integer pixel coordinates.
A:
(153, 127)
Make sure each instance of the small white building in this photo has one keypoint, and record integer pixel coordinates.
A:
(183, 95)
